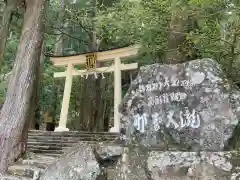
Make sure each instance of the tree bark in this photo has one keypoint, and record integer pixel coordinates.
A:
(180, 49)
(59, 50)
(15, 111)
(6, 19)
(232, 54)
(176, 38)
(92, 105)
(35, 109)
(88, 94)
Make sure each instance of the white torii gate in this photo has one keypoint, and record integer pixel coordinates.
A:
(111, 55)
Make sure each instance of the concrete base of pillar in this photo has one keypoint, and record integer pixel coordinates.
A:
(114, 129)
(60, 129)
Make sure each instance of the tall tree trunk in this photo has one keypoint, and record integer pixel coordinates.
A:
(7, 14)
(176, 39)
(88, 95)
(54, 103)
(108, 103)
(232, 54)
(15, 111)
(180, 49)
(35, 109)
(92, 102)
(96, 83)
(59, 47)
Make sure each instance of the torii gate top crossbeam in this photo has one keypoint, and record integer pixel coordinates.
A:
(101, 56)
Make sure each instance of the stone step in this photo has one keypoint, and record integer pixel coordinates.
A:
(57, 144)
(43, 151)
(38, 162)
(74, 135)
(34, 138)
(49, 155)
(60, 143)
(37, 150)
(23, 170)
(54, 144)
(46, 147)
(42, 157)
(80, 136)
(43, 147)
(71, 133)
(51, 141)
(12, 177)
(62, 146)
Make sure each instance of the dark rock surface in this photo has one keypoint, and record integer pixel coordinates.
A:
(108, 154)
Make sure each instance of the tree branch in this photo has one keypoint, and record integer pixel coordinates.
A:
(80, 24)
(63, 32)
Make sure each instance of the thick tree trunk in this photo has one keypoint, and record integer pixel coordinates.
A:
(35, 109)
(180, 49)
(108, 103)
(54, 104)
(30, 124)
(232, 54)
(94, 82)
(59, 49)
(50, 126)
(9, 8)
(15, 111)
(59, 46)
(92, 105)
(99, 105)
(176, 37)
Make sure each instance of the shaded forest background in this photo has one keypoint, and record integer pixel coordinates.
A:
(169, 31)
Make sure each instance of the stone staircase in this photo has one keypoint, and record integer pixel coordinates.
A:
(44, 147)
(51, 143)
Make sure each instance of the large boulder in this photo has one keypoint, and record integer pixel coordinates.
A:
(78, 163)
(182, 107)
(179, 165)
(235, 101)
(193, 165)
(132, 166)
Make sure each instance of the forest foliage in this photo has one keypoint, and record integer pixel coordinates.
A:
(201, 28)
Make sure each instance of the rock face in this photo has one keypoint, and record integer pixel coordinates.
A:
(235, 102)
(191, 165)
(184, 106)
(78, 163)
(106, 151)
(108, 155)
(189, 111)
(178, 165)
(131, 166)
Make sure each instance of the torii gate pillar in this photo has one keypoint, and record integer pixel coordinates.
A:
(117, 94)
(66, 99)
(110, 55)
